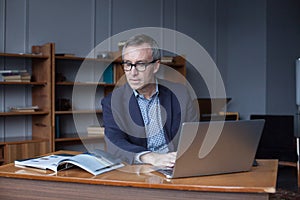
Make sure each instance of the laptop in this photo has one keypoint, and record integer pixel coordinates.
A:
(215, 147)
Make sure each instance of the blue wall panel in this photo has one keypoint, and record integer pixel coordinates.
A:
(68, 23)
(242, 53)
(254, 43)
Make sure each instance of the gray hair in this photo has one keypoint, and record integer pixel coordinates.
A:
(143, 39)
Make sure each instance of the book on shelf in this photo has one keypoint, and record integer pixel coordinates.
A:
(166, 59)
(108, 74)
(11, 77)
(24, 108)
(13, 80)
(25, 76)
(16, 77)
(17, 80)
(96, 131)
(9, 71)
(96, 163)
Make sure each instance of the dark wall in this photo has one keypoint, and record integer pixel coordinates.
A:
(254, 43)
(283, 48)
(242, 49)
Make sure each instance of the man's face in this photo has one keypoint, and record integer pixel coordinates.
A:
(140, 54)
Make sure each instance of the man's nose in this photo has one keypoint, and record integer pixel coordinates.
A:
(133, 70)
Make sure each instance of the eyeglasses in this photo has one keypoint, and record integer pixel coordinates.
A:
(139, 66)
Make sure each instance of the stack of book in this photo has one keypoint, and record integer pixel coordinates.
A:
(24, 108)
(166, 59)
(95, 131)
(15, 76)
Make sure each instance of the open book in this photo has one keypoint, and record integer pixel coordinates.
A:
(95, 163)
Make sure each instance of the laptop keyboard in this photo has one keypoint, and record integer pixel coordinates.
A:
(167, 172)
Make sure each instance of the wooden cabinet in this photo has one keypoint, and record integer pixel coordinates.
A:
(26, 134)
(68, 91)
(77, 92)
(79, 86)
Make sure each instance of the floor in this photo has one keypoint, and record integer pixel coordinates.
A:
(286, 188)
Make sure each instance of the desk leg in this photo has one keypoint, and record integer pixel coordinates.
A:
(298, 167)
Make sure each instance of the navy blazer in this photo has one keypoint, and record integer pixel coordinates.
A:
(124, 126)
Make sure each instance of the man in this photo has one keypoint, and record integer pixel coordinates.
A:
(142, 119)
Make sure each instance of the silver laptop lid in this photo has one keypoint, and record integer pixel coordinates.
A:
(217, 147)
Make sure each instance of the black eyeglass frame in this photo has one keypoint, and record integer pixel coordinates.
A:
(138, 63)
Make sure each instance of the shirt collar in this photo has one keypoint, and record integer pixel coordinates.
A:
(136, 94)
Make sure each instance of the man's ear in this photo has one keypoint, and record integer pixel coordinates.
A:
(156, 66)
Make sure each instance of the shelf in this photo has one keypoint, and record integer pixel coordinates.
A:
(24, 55)
(68, 139)
(67, 112)
(74, 137)
(69, 58)
(39, 139)
(40, 83)
(20, 140)
(172, 64)
(69, 83)
(83, 58)
(66, 65)
(24, 113)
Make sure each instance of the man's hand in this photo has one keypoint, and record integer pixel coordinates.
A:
(159, 159)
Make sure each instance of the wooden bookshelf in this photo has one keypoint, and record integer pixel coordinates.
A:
(39, 140)
(44, 90)
(66, 64)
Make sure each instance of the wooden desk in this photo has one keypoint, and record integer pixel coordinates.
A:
(135, 182)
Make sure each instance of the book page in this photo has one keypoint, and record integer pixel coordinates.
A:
(90, 163)
(45, 162)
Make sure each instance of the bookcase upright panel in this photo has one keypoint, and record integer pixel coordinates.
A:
(26, 132)
(78, 86)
